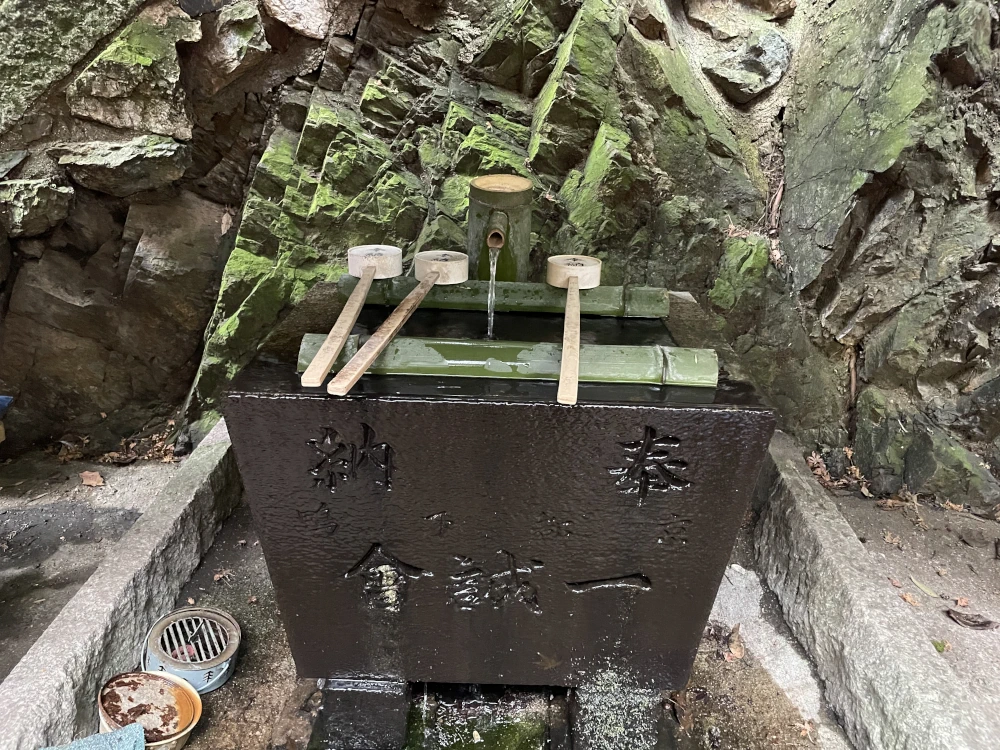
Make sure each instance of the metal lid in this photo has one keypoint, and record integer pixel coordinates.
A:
(194, 638)
(160, 704)
(501, 190)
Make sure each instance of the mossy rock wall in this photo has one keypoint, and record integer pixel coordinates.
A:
(547, 92)
(841, 230)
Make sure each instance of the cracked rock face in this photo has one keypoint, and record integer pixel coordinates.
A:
(846, 252)
(310, 18)
(148, 162)
(752, 70)
(32, 207)
(234, 43)
(135, 82)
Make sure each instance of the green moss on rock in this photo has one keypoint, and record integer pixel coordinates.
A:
(881, 435)
(744, 261)
(135, 81)
(578, 95)
(39, 48)
(483, 152)
(937, 463)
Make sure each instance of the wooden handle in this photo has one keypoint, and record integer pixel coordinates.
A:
(367, 354)
(569, 368)
(320, 366)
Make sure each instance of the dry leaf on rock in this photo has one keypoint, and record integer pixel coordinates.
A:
(973, 621)
(952, 506)
(682, 710)
(735, 643)
(891, 503)
(941, 646)
(961, 601)
(806, 728)
(895, 583)
(190, 600)
(910, 599)
(891, 538)
(92, 479)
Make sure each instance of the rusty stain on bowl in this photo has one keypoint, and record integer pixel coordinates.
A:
(161, 706)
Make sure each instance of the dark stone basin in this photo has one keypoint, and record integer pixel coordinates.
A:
(475, 531)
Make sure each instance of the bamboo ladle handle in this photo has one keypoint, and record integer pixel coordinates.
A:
(569, 365)
(376, 344)
(572, 273)
(365, 262)
(321, 364)
(430, 268)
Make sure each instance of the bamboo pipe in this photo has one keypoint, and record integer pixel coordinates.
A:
(572, 273)
(430, 268)
(366, 262)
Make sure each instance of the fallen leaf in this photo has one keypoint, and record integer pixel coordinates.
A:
(806, 727)
(891, 538)
(190, 600)
(865, 491)
(849, 452)
(476, 737)
(891, 503)
(941, 646)
(682, 711)
(92, 479)
(952, 506)
(962, 601)
(926, 589)
(222, 575)
(970, 620)
(910, 599)
(895, 583)
(735, 642)
(104, 415)
(252, 600)
(942, 572)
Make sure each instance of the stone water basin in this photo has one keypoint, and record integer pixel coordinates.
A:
(472, 530)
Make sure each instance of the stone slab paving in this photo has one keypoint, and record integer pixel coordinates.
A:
(882, 675)
(48, 697)
(55, 531)
(954, 558)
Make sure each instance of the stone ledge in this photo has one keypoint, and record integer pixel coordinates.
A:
(50, 696)
(882, 676)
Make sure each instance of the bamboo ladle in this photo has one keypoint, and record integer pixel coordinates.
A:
(430, 268)
(572, 273)
(366, 263)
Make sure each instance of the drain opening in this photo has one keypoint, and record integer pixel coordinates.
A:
(194, 640)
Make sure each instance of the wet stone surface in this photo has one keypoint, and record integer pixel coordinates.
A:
(55, 531)
(731, 704)
(955, 558)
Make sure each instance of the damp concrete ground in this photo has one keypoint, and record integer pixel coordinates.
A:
(936, 559)
(55, 531)
(768, 698)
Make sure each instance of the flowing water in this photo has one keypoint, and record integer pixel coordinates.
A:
(491, 298)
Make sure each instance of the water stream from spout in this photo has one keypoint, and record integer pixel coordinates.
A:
(491, 297)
